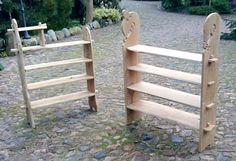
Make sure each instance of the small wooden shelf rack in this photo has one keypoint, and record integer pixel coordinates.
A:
(134, 87)
(88, 76)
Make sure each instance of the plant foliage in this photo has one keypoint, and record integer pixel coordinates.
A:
(107, 13)
(171, 4)
(201, 10)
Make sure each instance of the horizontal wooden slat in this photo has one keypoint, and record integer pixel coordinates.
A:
(40, 27)
(58, 81)
(166, 112)
(183, 76)
(55, 45)
(166, 93)
(57, 63)
(166, 52)
(60, 99)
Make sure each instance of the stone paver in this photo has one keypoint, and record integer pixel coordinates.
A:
(71, 132)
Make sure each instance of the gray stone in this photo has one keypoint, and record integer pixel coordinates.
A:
(100, 154)
(60, 35)
(128, 147)
(141, 146)
(72, 31)
(224, 158)
(75, 30)
(48, 38)
(78, 30)
(110, 159)
(207, 158)
(150, 150)
(168, 152)
(52, 35)
(9, 43)
(176, 139)
(186, 133)
(115, 152)
(165, 136)
(73, 156)
(66, 32)
(30, 42)
(84, 148)
(2, 43)
(147, 136)
(110, 22)
(139, 156)
(2, 157)
(96, 25)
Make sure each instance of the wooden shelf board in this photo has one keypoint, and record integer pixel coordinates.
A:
(57, 63)
(166, 52)
(183, 76)
(40, 27)
(166, 112)
(59, 99)
(166, 93)
(58, 81)
(55, 45)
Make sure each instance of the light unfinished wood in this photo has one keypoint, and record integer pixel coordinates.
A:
(210, 67)
(40, 27)
(208, 79)
(209, 128)
(209, 106)
(42, 40)
(57, 63)
(183, 76)
(166, 52)
(167, 112)
(59, 99)
(21, 64)
(88, 50)
(166, 93)
(130, 30)
(58, 81)
(55, 45)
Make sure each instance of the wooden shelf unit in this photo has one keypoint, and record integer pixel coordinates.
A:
(134, 87)
(87, 60)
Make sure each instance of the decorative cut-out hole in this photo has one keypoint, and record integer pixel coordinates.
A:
(214, 27)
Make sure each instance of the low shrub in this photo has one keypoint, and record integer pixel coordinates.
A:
(201, 10)
(222, 6)
(171, 4)
(107, 13)
(231, 25)
(55, 13)
(3, 27)
(3, 54)
(106, 3)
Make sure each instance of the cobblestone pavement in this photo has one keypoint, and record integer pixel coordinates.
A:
(71, 132)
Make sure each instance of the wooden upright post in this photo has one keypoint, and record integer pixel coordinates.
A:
(209, 80)
(21, 66)
(130, 29)
(41, 36)
(88, 53)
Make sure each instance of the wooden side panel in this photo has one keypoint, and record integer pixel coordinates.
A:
(130, 30)
(21, 65)
(88, 53)
(209, 80)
